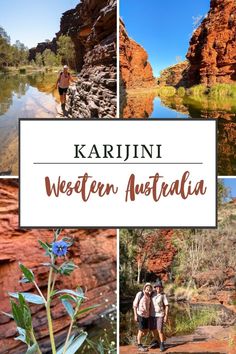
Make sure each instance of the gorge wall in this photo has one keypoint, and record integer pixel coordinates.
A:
(175, 75)
(160, 264)
(136, 71)
(212, 51)
(92, 27)
(94, 251)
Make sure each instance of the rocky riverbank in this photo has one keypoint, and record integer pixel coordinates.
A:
(207, 339)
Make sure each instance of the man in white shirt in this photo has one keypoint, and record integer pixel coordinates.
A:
(158, 314)
(141, 306)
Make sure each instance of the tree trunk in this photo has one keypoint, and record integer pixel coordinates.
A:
(139, 273)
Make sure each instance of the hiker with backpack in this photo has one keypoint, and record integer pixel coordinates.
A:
(158, 315)
(141, 306)
(63, 83)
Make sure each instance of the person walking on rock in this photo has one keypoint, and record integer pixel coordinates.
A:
(141, 306)
(63, 83)
(158, 315)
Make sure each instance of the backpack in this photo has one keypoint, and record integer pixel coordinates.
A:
(140, 297)
(68, 74)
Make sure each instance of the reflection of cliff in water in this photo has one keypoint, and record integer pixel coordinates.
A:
(149, 104)
(11, 85)
(139, 104)
(17, 85)
(226, 148)
(29, 96)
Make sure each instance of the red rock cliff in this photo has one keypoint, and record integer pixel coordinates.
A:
(92, 27)
(175, 75)
(212, 51)
(136, 71)
(160, 263)
(94, 251)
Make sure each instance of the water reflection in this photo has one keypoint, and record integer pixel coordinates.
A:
(22, 96)
(148, 104)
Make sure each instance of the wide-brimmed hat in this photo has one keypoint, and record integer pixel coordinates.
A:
(65, 67)
(158, 284)
(147, 284)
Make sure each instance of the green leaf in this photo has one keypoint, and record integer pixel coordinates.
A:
(67, 268)
(32, 349)
(77, 343)
(26, 313)
(68, 307)
(71, 292)
(46, 247)
(23, 336)
(29, 275)
(32, 298)
(87, 309)
(17, 313)
(68, 297)
(68, 240)
(79, 290)
(101, 347)
(60, 350)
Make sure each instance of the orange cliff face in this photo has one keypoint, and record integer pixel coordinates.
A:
(160, 263)
(212, 51)
(136, 71)
(94, 252)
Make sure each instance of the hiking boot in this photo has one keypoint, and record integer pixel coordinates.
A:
(162, 347)
(154, 344)
(141, 348)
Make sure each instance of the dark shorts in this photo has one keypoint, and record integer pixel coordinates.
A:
(156, 323)
(62, 91)
(143, 323)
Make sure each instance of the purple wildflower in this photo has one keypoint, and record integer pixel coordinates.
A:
(59, 248)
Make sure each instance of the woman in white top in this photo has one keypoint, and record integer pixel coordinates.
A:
(63, 82)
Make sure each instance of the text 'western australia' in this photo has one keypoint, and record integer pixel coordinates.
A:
(155, 186)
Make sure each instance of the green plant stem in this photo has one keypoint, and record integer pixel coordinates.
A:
(35, 341)
(68, 336)
(40, 293)
(70, 329)
(53, 282)
(50, 327)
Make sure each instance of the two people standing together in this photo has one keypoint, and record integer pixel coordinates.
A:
(151, 312)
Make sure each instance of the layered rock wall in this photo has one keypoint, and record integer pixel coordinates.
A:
(136, 71)
(176, 75)
(94, 252)
(92, 26)
(212, 51)
(160, 264)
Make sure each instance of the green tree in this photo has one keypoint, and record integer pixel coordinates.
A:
(66, 50)
(223, 192)
(4, 35)
(39, 59)
(49, 58)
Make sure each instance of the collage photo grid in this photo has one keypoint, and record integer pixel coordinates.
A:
(127, 290)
